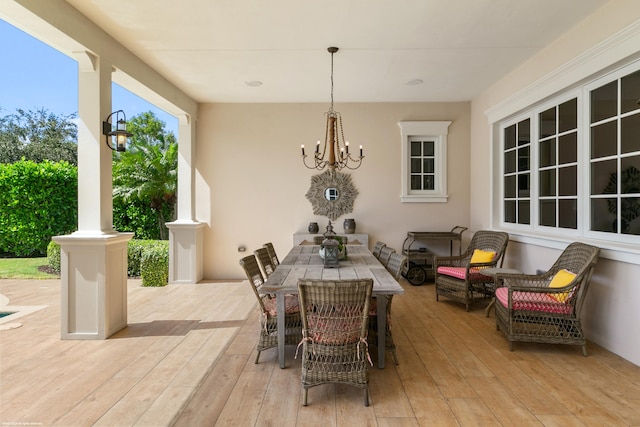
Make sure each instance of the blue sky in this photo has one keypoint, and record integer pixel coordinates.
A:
(35, 76)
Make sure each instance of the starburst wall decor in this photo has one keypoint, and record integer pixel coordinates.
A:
(332, 194)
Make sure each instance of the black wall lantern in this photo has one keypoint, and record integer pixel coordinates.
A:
(120, 132)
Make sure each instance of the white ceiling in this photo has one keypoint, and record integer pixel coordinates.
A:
(458, 48)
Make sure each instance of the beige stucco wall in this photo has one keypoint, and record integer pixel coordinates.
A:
(611, 318)
(251, 182)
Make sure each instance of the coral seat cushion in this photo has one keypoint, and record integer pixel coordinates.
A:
(291, 305)
(460, 273)
(532, 301)
(333, 331)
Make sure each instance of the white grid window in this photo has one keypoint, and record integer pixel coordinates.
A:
(571, 165)
(422, 164)
(517, 172)
(558, 166)
(614, 129)
(424, 161)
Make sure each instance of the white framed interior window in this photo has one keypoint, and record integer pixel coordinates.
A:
(570, 166)
(613, 115)
(558, 164)
(540, 167)
(424, 161)
(516, 168)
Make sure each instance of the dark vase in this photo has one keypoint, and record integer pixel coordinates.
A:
(349, 226)
(313, 227)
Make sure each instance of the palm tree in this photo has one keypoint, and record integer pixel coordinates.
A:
(147, 171)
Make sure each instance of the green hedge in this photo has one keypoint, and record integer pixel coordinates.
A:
(134, 256)
(154, 264)
(37, 201)
(53, 256)
(146, 258)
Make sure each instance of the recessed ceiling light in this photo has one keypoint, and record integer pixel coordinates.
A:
(253, 83)
(414, 82)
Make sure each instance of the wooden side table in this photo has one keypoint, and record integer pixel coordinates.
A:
(493, 272)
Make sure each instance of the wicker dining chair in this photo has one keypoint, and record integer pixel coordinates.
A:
(268, 337)
(272, 253)
(385, 254)
(377, 248)
(397, 263)
(334, 329)
(265, 261)
(545, 308)
(460, 277)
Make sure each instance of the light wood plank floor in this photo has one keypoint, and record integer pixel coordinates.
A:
(186, 359)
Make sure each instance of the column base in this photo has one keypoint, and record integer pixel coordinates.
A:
(94, 284)
(185, 251)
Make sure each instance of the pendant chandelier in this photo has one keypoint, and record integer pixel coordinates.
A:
(335, 151)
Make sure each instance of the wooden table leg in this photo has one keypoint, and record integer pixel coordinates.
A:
(382, 328)
(281, 328)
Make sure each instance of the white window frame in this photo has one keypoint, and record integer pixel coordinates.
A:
(555, 103)
(533, 114)
(432, 130)
(533, 175)
(580, 76)
(601, 81)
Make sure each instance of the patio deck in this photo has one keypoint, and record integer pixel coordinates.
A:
(186, 359)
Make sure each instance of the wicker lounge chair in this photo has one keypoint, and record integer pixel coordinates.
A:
(459, 279)
(334, 327)
(272, 253)
(546, 308)
(265, 261)
(397, 263)
(268, 314)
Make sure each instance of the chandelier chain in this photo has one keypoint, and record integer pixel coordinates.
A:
(331, 108)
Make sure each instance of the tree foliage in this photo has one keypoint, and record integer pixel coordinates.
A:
(38, 136)
(147, 171)
(136, 216)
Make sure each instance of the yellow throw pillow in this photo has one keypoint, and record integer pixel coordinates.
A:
(560, 280)
(480, 256)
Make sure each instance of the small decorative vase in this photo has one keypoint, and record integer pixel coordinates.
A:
(313, 227)
(349, 226)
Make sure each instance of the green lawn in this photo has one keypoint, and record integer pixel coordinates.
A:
(24, 268)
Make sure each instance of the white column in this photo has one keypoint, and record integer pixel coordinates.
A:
(185, 233)
(186, 168)
(94, 258)
(95, 199)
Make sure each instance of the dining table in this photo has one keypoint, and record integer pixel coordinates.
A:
(304, 262)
